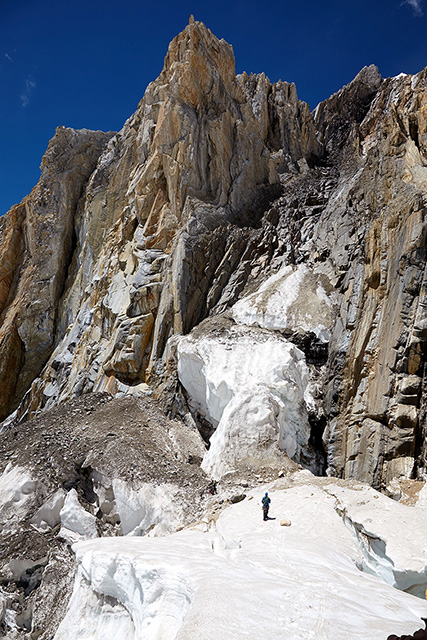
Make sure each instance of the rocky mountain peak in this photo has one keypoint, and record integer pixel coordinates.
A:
(230, 288)
(225, 208)
(335, 116)
(199, 65)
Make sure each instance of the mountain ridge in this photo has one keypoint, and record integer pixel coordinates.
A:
(215, 182)
(230, 288)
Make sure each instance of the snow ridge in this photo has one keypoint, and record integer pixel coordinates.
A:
(308, 579)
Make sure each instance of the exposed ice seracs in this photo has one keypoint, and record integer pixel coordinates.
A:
(253, 389)
(18, 491)
(150, 509)
(378, 524)
(150, 597)
(76, 522)
(295, 298)
(48, 515)
(99, 617)
(304, 579)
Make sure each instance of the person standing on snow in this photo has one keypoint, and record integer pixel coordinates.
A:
(265, 505)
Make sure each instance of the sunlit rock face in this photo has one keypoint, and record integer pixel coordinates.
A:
(223, 198)
(229, 288)
(183, 183)
(377, 351)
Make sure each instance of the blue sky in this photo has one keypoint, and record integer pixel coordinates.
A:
(86, 63)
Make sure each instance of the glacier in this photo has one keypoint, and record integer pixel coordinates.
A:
(234, 576)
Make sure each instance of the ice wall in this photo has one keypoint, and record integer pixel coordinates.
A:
(252, 386)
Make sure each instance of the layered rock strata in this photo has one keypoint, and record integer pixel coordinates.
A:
(224, 200)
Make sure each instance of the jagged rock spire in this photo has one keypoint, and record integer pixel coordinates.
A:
(213, 185)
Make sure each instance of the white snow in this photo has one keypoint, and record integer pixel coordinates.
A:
(379, 524)
(147, 509)
(245, 578)
(76, 522)
(152, 508)
(294, 298)
(48, 515)
(98, 618)
(422, 498)
(253, 388)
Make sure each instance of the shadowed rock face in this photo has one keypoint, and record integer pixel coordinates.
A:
(378, 344)
(36, 245)
(213, 186)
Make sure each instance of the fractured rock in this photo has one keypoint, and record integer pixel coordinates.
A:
(223, 197)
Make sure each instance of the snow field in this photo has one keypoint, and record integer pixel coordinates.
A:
(294, 298)
(18, 491)
(245, 578)
(390, 535)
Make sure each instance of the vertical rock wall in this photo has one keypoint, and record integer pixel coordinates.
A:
(379, 428)
(189, 175)
(216, 190)
(36, 241)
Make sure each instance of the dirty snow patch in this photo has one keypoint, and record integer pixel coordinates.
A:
(295, 298)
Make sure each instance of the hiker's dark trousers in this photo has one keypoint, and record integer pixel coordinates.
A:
(265, 512)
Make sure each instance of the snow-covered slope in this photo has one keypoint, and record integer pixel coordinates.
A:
(247, 281)
(235, 576)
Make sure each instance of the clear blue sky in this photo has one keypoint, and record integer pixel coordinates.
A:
(86, 63)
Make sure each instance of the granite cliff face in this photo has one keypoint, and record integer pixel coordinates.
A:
(230, 287)
(225, 218)
(378, 342)
(36, 246)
